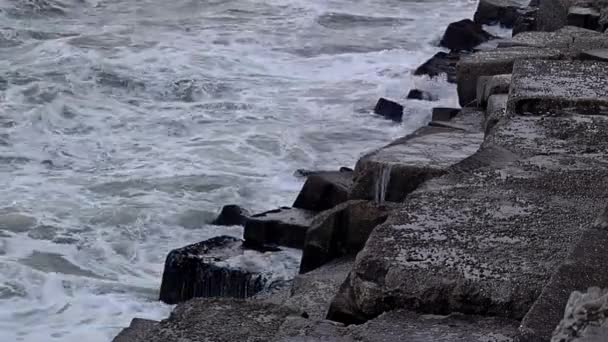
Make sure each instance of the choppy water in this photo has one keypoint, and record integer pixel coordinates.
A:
(126, 124)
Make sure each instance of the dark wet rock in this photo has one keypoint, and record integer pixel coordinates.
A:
(496, 111)
(585, 267)
(389, 109)
(391, 172)
(202, 270)
(552, 14)
(496, 62)
(444, 113)
(136, 331)
(340, 231)
(492, 85)
(526, 21)
(283, 227)
(586, 17)
(586, 317)
(486, 237)
(417, 94)
(464, 35)
(324, 190)
(232, 215)
(503, 12)
(441, 63)
(540, 86)
(595, 55)
(218, 320)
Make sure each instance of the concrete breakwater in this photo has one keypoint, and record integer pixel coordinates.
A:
(478, 227)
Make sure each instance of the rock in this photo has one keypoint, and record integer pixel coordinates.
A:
(486, 237)
(444, 114)
(324, 190)
(401, 325)
(408, 326)
(539, 86)
(389, 109)
(232, 215)
(503, 12)
(491, 85)
(585, 17)
(204, 270)
(495, 111)
(417, 94)
(565, 38)
(595, 55)
(464, 35)
(392, 172)
(586, 317)
(284, 227)
(552, 14)
(585, 267)
(219, 320)
(339, 232)
(441, 63)
(496, 62)
(313, 292)
(136, 331)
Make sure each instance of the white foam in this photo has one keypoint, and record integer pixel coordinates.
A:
(154, 111)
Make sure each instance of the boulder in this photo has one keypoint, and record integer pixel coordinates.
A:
(565, 38)
(585, 319)
(539, 86)
(464, 35)
(136, 331)
(218, 320)
(284, 226)
(417, 94)
(491, 85)
(391, 172)
(585, 267)
(389, 109)
(496, 62)
(232, 215)
(218, 267)
(586, 17)
(339, 232)
(503, 12)
(444, 113)
(324, 190)
(486, 237)
(441, 63)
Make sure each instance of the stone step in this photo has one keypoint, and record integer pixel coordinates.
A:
(283, 227)
(397, 326)
(493, 62)
(390, 173)
(540, 86)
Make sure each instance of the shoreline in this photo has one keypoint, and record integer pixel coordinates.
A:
(486, 218)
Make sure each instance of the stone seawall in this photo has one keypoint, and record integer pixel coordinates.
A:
(478, 227)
